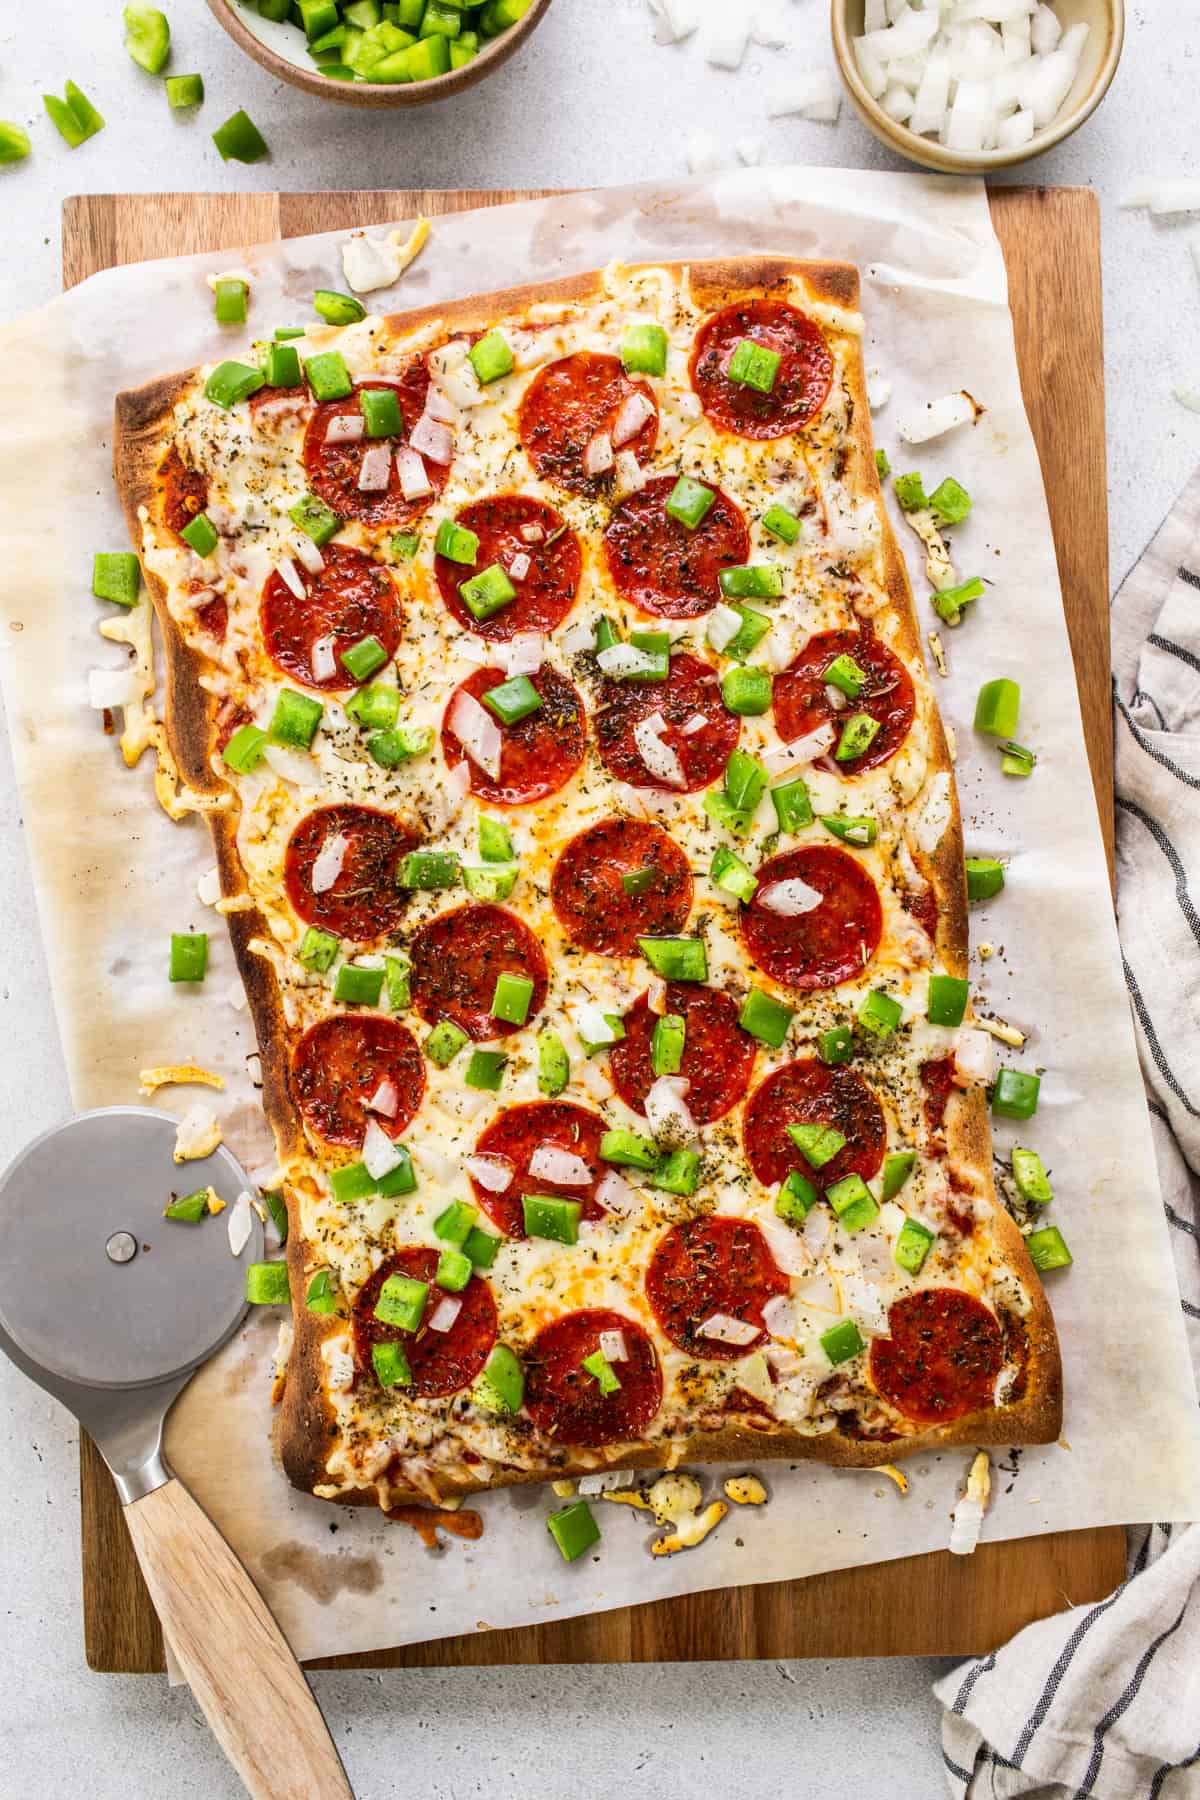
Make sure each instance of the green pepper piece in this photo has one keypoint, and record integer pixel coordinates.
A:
(1048, 1249)
(240, 140)
(147, 37)
(267, 1284)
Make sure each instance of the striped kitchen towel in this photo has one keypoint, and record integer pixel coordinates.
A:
(1103, 1702)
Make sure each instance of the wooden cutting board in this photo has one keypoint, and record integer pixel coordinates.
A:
(921, 1605)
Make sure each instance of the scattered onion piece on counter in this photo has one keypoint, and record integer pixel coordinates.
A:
(939, 416)
(879, 389)
(745, 1490)
(240, 1223)
(812, 95)
(1189, 397)
(704, 153)
(208, 888)
(178, 1075)
(1180, 194)
(197, 1135)
(592, 1485)
(1007, 1034)
(369, 263)
(725, 36)
(967, 1517)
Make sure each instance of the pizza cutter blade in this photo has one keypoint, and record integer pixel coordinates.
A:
(111, 1308)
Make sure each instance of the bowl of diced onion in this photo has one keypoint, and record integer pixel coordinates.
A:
(380, 52)
(967, 86)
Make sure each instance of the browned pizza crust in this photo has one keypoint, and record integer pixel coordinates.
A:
(306, 1422)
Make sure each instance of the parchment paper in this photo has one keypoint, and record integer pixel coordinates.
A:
(115, 878)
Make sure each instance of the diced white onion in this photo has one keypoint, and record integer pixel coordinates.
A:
(1014, 131)
(696, 723)
(726, 34)
(439, 406)
(433, 439)
(801, 751)
(624, 660)
(208, 888)
(450, 371)
(879, 389)
(779, 1316)
(939, 417)
(864, 1300)
(630, 477)
(636, 411)
(494, 1173)
(580, 636)
(667, 1112)
(445, 1312)
(615, 1194)
(346, 428)
(591, 1024)
(456, 787)
(379, 1153)
(613, 1347)
(307, 554)
(292, 765)
(811, 94)
(722, 626)
(723, 1328)
(532, 534)
(704, 153)
(974, 1054)
(438, 1166)
(523, 654)
(519, 566)
(376, 469)
(414, 477)
(385, 1100)
(550, 1162)
(288, 573)
(835, 697)
(750, 150)
(478, 733)
(324, 660)
(658, 756)
(240, 1223)
(110, 688)
(327, 865)
(598, 454)
(790, 899)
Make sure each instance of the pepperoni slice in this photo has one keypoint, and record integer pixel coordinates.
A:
(545, 595)
(570, 402)
(660, 565)
(590, 898)
(808, 1091)
(441, 1362)
(456, 959)
(921, 904)
(185, 491)
(801, 385)
(565, 1402)
(718, 1056)
(364, 902)
(333, 468)
(942, 1358)
(337, 1067)
(539, 754)
(516, 1134)
(937, 1079)
(831, 943)
(712, 1265)
(349, 599)
(801, 702)
(212, 616)
(690, 692)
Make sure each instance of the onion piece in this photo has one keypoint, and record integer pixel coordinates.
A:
(478, 733)
(376, 469)
(940, 416)
(288, 573)
(111, 688)
(550, 1162)
(791, 899)
(532, 534)
(451, 372)
(630, 477)
(613, 1346)
(327, 865)
(307, 555)
(656, 753)
(615, 1194)
(346, 428)
(801, 751)
(523, 654)
(414, 477)
(598, 454)
(696, 723)
(519, 566)
(723, 1328)
(879, 389)
(240, 1223)
(494, 1173)
(433, 439)
(292, 765)
(439, 406)
(385, 1100)
(323, 661)
(723, 624)
(379, 1153)
(636, 411)
(445, 1313)
(974, 1055)
(667, 1112)
(591, 1024)
(812, 95)
(622, 660)
(779, 1316)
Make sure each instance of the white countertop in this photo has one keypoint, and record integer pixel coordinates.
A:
(617, 109)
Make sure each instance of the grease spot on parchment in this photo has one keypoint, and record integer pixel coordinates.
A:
(322, 1576)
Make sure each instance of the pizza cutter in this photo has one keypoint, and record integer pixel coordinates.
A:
(111, 1308)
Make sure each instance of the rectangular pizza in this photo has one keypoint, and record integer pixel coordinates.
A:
(549, 676)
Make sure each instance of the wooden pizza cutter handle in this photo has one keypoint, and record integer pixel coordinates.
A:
(233, 1655)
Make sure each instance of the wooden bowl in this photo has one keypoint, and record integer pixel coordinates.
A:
(1101, 55)
(281, 50)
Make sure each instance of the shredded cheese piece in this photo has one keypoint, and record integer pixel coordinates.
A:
(745, 1490)
(178, 1075)
(691, 1530)
(215, 1203)
(564, 1489)
(894, 1474)
(938, 652)
(198, 1135)
(1008, 1034)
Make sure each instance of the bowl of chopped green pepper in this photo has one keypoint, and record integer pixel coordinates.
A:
(380, 52)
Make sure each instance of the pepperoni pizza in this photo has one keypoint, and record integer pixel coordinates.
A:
(548, 672)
